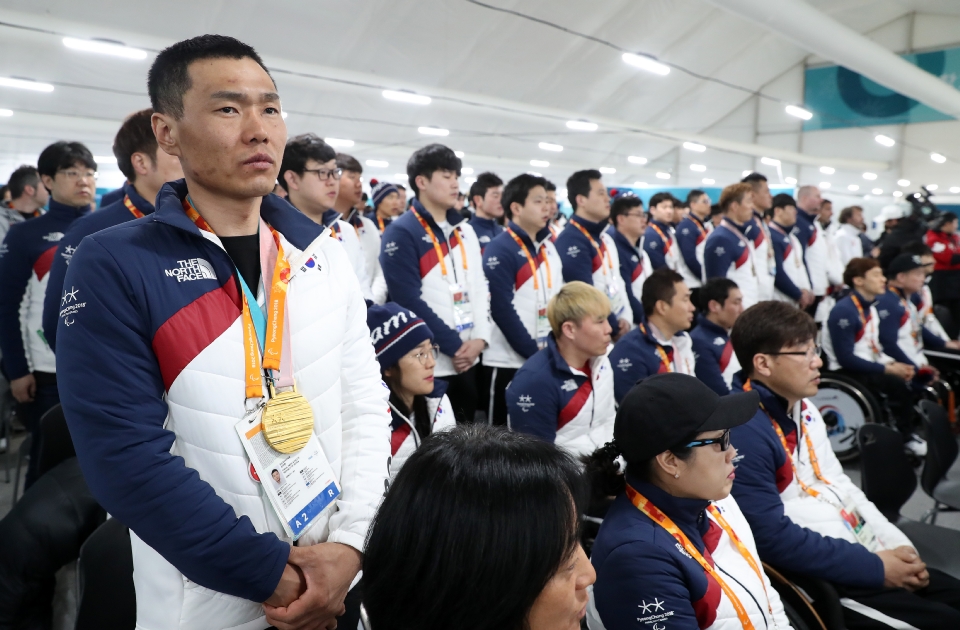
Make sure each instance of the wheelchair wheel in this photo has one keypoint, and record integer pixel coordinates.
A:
(845, 407)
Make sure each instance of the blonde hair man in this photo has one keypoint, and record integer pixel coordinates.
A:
(564, 393)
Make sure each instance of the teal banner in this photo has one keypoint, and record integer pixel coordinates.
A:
(840, 98)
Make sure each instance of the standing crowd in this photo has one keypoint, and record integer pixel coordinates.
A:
(238, 272)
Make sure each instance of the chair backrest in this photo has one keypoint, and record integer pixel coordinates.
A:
(886, 476)
(107, 597)
(941, 445)
(56, 444)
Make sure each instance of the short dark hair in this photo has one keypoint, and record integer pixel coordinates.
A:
(916, 248)
(660, 197)
(63, 155)
(754, 178)
(485, 181)
(300, 149)
(24, 176)
(481, 519)
(847, 213)
(550, 186)
(693, 195)
(661, 285)
(622, 205)
(769, 327)
(579, 184)
(858, 268)
(715, 210)
(168, 79)
(430, 159)
(824, 202)
(349, 163)
(783, 200)
(135, 136)
(517, 190)
(715, 290)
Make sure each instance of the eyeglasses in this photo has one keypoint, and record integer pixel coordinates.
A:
(423, 354)
(74, 174)
(325, 174)
(810, 354)
(638, 215)
(723, 441)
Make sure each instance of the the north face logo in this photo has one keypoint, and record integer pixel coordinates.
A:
(569, 385)
(191, 269)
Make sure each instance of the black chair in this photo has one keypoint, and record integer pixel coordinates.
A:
(107, 597)
(23, 457)
(56, 445)
(808, 602)
(888, 480)
(942, 452)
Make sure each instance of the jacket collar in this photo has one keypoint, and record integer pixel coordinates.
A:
(783, 228)
(453, 217)
(697, 220)
(329, 217)
(664, 227)
(138, 202)
(688, 514)
(295, 226)
(560, 364)
(863, 301)
(63, 210)
(774, 404)
(489, 224)
(716, 329)
(592, 228)
(541, 236)
(646, 329)
(619, 238)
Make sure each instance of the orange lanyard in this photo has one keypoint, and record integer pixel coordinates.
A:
(380, 223)
(664, 521)
(696, 222)
(915, 324)
(600, 247)
(273, 344)
(811, 452)
(541, 255)
(436, 246)
(863, 322)
(132, 208)
(667, 242)
(664, 359)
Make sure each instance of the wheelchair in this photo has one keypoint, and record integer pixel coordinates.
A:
(846, 406)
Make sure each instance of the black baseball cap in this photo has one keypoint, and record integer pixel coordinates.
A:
(904, 263)
(662, 411)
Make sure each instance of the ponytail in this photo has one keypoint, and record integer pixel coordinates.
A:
(605, 469)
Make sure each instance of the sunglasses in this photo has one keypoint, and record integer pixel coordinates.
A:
(723, 441)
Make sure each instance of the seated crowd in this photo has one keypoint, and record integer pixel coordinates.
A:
(669, 352)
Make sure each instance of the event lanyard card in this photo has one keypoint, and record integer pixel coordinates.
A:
(462, 312)
(855, 522)
(616, 298)
(300, 485)
(543, 327)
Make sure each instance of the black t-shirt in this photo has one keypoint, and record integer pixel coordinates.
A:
(245, 253)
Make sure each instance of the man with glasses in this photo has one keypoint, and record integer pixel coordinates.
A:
(808, 518)
(69, 172)
(628, 224)
(311, 177)
(691, 235)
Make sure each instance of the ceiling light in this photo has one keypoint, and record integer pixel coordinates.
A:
(693, 146)
(662, 175)
(879, 191)
(903, 182)
(6, 112)
(377, 163)
(405, 96)
(105, 48)
(699, 168)
(339, 142)
(770, 161)
(535, 174)
(401, 176)
(640, 184)
(539, 163)
(827, 170)
(470, 180)
(459, 154)
(886, 141)
(636, 159)
(581, 125)
(549, 146)
(897, 193)
(105, 159)
(25, 84)
(799, 112)
(790, 180)
(646, 63)
(955, 189)
(709, 182)
(824, 185)
(433, 131)
(870, 176)
(745, 173)
(466, 170)
(853, 188)
(936, 157)
(284, 115)
(607, 170)
(931, 187)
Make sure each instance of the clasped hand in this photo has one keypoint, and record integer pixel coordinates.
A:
(313, 587)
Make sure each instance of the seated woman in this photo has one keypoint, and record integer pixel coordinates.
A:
(480, 530)
(674, 550)
(404, 346)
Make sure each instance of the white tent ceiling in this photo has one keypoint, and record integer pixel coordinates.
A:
(501, 82)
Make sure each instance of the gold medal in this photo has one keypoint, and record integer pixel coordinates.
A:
(287, 420)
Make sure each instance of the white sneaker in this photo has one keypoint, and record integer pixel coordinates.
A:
(916, 445)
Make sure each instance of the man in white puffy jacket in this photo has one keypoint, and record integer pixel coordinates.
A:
(162, 364)
(807, 516)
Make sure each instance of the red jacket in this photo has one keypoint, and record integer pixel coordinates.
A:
(946, 250)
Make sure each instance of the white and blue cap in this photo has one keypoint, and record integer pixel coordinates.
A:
(395, 331)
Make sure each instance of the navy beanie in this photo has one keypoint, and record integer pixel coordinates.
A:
(380, 192)
(395, 331)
